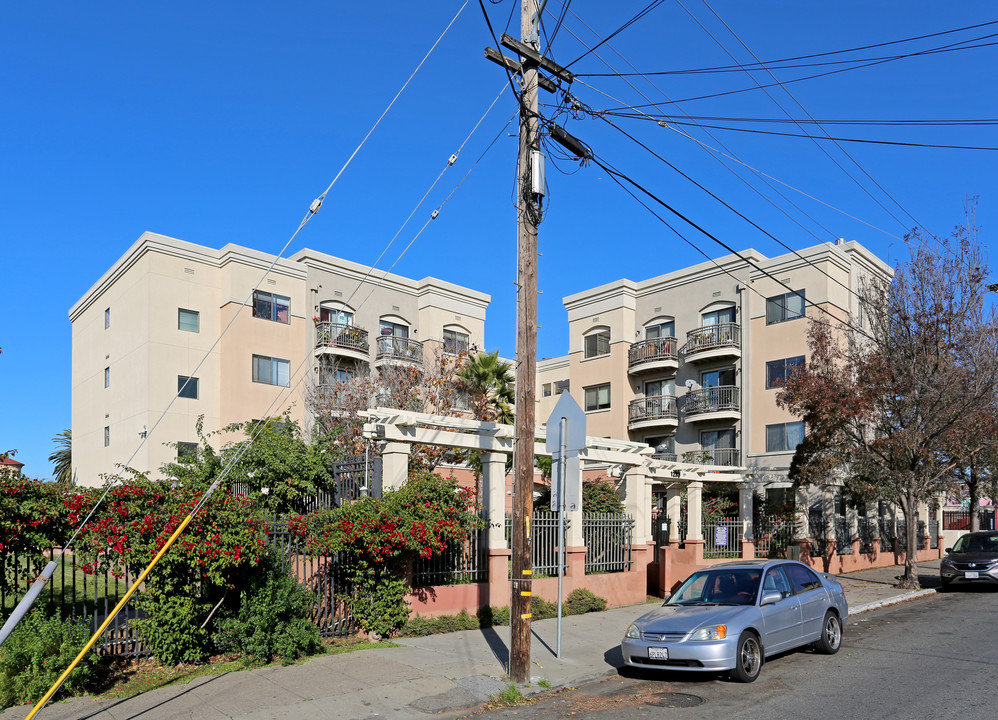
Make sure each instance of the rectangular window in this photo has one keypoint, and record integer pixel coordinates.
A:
(461, 400)
(724, 315)
(546, 390)
(455, 342)
(598, 397)
(784, 436)
(560, 386)
(188, 320)
(597, 343)
(107, 318)
(187, 387)
(271, 307)
(187, 450)
(107, 377)
(785, 307)
(718, 378)
(271, 371)
(717, 439)
(778, 371)
(107, 435)
(662, 330)
(393, 329)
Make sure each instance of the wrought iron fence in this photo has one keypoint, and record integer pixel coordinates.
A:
(960, 519)
(934, 535)
(544, 542)
(818, 529)
(773, 534)
(889, 529)
(843, 535)
(352, 479)
(461, 563)
(722, 538)
(608, 541)
(868, 529)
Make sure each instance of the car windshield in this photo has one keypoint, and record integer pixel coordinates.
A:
(976, 543)
(718, 587)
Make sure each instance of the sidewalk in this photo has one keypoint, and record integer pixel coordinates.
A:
(440, 676)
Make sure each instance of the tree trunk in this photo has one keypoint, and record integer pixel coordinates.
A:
(974, 491)
(909, 506)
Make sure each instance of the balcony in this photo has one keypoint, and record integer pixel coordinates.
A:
(653, 355)
(341, 340)
(713, 403)
(714, 342)
(665, 457)
(726, 457)
(657, 411)
(399, 350)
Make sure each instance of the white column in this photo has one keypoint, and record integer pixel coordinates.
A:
(637, 503)
(694, 512)
(394, 465)
(494, 498)
(746, 497)
(673, 509)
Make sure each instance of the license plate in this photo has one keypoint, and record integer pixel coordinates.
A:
(658, 653)
(972, 575)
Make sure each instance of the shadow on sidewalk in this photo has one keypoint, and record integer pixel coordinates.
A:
(497, 646)
(122, 703)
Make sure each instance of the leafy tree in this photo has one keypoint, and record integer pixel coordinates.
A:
(62, 457)
(489, 381)
(888, 399)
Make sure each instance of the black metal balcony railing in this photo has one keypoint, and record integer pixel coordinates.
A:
(330, 334)
(665, 456)
(712, 399)
(399, 348)
(727, 457)
(655, 407)
(664, 348)
(712, 337)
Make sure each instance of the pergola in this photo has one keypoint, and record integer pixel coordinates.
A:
(632, 462)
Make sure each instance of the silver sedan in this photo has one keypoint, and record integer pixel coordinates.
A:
(728, 618)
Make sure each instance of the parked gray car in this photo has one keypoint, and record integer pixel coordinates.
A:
(974, 558)
(728, 618)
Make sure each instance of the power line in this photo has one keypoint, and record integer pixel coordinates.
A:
(870, 123)
(641, 13)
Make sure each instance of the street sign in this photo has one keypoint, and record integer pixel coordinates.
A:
(567, 408)
(567, 416)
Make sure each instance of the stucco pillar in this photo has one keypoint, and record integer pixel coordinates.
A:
(494, 498)
(673, 509)
(694, 511)
(828, 511)
(394, 465)
(923, 516)
(746, 503)
(802, 504)
(637, 504)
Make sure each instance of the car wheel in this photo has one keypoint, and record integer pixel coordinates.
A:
(831, 634)
(748, 658)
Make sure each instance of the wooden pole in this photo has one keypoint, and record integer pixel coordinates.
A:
(528, 209)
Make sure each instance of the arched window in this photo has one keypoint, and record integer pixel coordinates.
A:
(596, 342)
(335, 312)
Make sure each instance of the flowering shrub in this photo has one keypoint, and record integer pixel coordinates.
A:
(378, 538)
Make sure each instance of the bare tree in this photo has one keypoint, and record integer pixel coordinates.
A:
(889, 399)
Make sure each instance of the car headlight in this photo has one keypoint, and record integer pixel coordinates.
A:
(948, 563)
(633, 632)
(711, 632)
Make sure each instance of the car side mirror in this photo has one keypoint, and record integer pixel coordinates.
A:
(948, 550)
(771, 598)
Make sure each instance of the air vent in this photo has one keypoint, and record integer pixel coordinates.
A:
(716, 294)
(395, 308)
(658, 309)
(189, 271)
(337, 293)
(785, 281)
(457, 317)
(271, 282)
(596, 319)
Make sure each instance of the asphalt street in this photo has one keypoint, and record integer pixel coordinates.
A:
(933, 657)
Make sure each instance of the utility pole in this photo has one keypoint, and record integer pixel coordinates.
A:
(528, 213)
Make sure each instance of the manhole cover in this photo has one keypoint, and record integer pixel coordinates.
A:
(673, 700)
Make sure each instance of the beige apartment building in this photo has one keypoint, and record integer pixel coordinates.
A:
(690, 362)
(164, 337)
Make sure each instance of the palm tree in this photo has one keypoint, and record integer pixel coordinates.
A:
(490, 380)
(62, 457)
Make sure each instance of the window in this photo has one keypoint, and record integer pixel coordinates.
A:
(662, 444)
(394, 329)
(188, 320)
(778, 371)
(107, 318)
(546, 390)
(271, 371)
(271, 307)
(801, 578)
(598, 397)
(335, 315)
(461, 400)
(718, 378)
(666, 329)
(716, 317)
(658, 388)
(784, 437)
(776, 582)
(187, 451)
(187, 387)
(785, 307)
(839, 500)
(560, 386)
(455, 342)
(717, 439)
(107, 435)
(107, 377)
(597, 343)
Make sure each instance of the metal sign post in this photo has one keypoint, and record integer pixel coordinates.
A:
(566, 480)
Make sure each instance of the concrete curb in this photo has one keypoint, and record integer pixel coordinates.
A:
(897, 599)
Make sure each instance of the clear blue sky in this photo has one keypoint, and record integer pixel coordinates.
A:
(219, 122)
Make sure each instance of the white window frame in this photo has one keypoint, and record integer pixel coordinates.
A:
(600, 343)
(266, 370)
